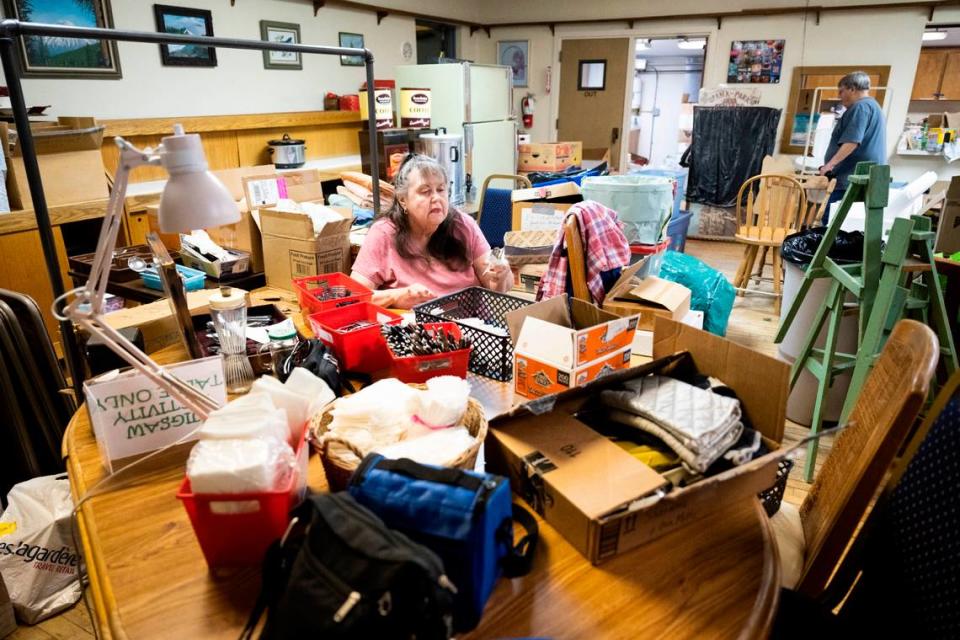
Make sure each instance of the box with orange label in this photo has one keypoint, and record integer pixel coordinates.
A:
(557, 347)
(549, 156)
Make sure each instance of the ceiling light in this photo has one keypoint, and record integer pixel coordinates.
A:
(643, 44)
(694, 43)
(934, 35)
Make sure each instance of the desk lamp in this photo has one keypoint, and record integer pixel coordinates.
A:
(193, 198)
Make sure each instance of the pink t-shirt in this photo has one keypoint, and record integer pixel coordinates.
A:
(379, 262)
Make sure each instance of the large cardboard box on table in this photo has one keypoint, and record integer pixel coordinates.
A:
(648, 297)
(244, 234)
(599, 497)
(549, 156)
(556, 348)
(292, 249)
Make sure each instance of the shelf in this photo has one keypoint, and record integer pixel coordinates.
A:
(201, 124)
(917, 152)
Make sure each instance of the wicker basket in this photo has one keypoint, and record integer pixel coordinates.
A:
(340, 458)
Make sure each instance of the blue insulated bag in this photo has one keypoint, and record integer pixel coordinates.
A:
(465, 517)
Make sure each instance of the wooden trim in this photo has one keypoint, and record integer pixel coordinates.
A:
(26, 220)
(200, 124)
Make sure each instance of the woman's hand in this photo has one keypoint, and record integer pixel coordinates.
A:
(498, 276)
(409, 297)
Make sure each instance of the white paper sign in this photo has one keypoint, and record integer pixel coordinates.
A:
(539, 217)
(131, 415)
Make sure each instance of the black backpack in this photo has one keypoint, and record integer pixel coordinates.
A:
(341, 573)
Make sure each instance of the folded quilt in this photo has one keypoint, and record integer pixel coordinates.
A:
(695, 461)
(699, 420)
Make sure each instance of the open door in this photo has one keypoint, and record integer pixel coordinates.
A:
(593, 82)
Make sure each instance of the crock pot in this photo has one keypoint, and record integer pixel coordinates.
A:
(288, 153)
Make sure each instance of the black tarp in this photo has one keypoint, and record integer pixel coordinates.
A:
(729, 144)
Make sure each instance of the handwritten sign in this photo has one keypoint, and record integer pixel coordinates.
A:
(730, 97)
(131, 415)
(541, 217)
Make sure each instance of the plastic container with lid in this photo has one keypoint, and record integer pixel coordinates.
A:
(283, 340)
(228, 308)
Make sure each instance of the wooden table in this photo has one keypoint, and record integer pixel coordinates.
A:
(718, 577)
(137, 291)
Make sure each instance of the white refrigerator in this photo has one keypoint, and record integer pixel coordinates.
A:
(475, 101)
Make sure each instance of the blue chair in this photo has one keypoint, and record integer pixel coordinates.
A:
(495, 215)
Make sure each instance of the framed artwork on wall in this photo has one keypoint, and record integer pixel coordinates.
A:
(185, 21)
(287, 33)
(56, 57)
(353, 41)
(755, 61)
(515, 54)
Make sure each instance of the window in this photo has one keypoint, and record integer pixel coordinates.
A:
(592, 75)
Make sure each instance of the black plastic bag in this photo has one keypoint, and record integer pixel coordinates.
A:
(318, 359)
(729, 144)
(799, 248)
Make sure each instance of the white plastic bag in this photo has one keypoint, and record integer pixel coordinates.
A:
(38, 561)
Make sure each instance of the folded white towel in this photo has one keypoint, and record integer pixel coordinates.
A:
(240, 466)
(438, 447)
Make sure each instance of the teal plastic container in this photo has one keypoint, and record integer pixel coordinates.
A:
(193, 279)
(643, 203)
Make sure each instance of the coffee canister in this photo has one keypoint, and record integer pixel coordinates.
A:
(414, 107)
(383, 102)
(447, 149)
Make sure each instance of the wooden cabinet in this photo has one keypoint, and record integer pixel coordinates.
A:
(938, 75)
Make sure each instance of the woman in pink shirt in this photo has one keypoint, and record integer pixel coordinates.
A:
(421, 248)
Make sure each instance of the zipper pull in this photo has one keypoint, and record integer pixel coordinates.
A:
(444, 582)
(347, 605)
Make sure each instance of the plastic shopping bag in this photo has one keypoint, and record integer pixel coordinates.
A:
(38, 561)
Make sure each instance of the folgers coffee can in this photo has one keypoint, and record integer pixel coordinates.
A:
(383, 99)
(414, 107)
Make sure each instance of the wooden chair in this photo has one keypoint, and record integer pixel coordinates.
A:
(769, 208)
(818, 190)
(495, 211)
(576, 261)
(812, 540)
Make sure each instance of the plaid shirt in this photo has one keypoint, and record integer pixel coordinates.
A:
(605, 248)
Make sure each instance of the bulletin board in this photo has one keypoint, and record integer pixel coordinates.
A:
(755, 61)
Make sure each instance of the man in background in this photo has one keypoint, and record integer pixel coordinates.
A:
(859, 135)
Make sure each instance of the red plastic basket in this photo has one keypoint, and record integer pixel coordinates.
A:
(307, 287)
(363, 350)
(242, 539)
(649, 249)
(419, 369)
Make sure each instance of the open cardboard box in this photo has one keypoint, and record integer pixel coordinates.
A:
(556, 348)
(237, 262)
(538, 216)
(549, 156)
(563, 192)
(244, 234)
(600, 498)
(291, 248)
(649, 297)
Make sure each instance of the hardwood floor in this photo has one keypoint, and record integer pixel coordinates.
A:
(752, 323)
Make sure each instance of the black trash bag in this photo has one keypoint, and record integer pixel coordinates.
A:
(799, 248)
(318, 359)
(729, 144)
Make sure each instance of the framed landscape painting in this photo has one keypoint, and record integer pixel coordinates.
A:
(57, 57)
(287, 33)
(354, 41)
(185, 21)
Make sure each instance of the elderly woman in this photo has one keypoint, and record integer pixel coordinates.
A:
(421, 248)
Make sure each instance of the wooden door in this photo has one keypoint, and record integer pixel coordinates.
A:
(593, 84)
(950, 86)
(926, 84)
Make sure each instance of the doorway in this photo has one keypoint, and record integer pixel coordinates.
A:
(435, 41)
(668, 74)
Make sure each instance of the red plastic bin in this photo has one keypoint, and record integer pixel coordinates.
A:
(419, 369)
(363, 350)
(242, 539)
(307, 285)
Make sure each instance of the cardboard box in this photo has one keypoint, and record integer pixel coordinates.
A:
(539, 216)
(238, 263)
(529, 276)
(605, 503)
(268, 189)
(556, 348)
(549, 156)
(568, 192)
(291, 249)
(648, 298)
(243, 235)
(643, 339)
(948, 228)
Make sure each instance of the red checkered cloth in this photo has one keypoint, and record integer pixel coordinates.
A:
(605, 248)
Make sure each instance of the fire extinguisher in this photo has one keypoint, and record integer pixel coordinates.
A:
(526, 108)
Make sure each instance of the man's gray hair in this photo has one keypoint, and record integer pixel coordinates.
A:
(856, 81)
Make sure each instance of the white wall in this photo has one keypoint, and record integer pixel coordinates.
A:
(665, 127)
(239, 84)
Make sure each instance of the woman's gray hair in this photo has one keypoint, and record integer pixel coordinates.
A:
(856, 81)
(415, 164)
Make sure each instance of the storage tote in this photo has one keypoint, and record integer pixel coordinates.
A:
(643, 203)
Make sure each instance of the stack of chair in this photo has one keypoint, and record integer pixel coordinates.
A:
(32, 398)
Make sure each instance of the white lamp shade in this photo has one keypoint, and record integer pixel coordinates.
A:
(195, 201)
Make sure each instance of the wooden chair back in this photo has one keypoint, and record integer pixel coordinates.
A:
(576, 261)
(523, 181)
(818, 190)
(770, 207)
(886, 408)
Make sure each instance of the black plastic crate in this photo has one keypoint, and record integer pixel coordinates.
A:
(492, 353)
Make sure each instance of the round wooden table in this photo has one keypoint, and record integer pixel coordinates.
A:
(715, 578)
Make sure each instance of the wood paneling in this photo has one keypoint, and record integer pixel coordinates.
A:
(926, 84)
(322, 142)
(202, 124)
(25, 219)
(22, 269)
(950, 86)
(219, 146)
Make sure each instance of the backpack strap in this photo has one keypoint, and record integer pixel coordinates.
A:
(520, 559)
(441, 475)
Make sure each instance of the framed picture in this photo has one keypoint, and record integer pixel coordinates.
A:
(287, 33)
(186, 21)
(515, 54)
(354, 41)
(56, 57)
(755, 61)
